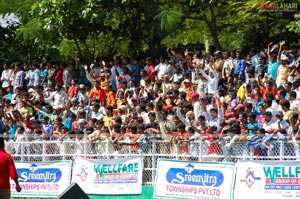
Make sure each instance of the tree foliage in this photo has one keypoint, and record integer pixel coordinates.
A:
(62, 29)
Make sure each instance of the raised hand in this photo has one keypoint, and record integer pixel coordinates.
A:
(282, 43)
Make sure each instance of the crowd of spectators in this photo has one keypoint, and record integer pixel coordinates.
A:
(180, 98)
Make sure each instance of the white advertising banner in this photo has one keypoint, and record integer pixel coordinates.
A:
(114, 176)
(268, 180)
(42, 179)
(202, 180)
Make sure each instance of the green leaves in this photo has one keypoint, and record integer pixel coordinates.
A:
(294, 26)
(170, 17)
(95, 28)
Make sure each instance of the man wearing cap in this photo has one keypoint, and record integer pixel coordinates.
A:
(81, 124)
(229, 118)
(74, 105)
(238, 109)
(189, 90)
(82, 96)
(212, 80)
(282, 72)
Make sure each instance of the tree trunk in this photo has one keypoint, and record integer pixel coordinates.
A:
(214, 35)
(212, 25)
(78, 47)
(266, 29)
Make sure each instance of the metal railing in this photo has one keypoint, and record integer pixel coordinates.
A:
(44, 151)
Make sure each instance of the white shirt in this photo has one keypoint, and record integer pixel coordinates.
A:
(212, 83)
(227, 67)
(58, 98)
(163, 69)
(297, 90)
(295, 104)
(196, 109)
(36, 77)
(5, 77)
(269, 126)
(283, 125)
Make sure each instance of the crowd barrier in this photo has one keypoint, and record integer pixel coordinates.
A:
(48, 151)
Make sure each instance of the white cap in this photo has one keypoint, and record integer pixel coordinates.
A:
(186, 81)
(81, 121)
(31, 90)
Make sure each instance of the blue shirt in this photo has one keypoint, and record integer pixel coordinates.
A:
(43, 74)
(254, 60)
(240, 67)
(272, 69)
(9, 96)
(255, 125)
(137, 76)
(12, 131)
(2, 127)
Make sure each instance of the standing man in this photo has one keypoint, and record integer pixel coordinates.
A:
(240, 67)
(19, 76)
(7, 169)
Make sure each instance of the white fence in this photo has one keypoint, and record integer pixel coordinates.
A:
(151, 151)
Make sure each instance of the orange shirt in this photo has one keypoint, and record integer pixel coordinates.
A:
(72, 91)
(111, 98)
(98, 94)
(104, 84)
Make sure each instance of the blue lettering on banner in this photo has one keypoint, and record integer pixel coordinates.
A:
(282, 187)
(34, 174)
(191, 176)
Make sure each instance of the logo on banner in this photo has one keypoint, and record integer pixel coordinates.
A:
(250, 178)
(282, 174)
(116, 173)
(191, 176)
(83, 174)
(36, 174)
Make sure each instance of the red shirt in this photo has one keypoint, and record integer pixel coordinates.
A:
(265, 91)
(7, 169)
(214, 147)
(150, 70)
(135, 147)
(58, 78)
